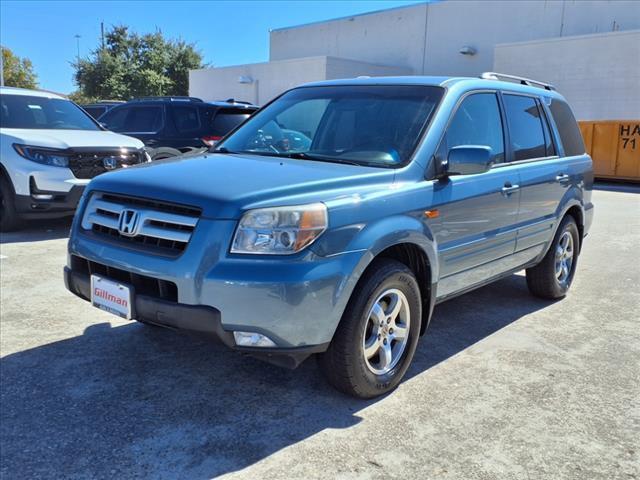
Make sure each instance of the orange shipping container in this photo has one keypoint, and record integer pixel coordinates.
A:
(614, 146)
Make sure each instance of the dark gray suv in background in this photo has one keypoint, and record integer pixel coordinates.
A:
(170, 126)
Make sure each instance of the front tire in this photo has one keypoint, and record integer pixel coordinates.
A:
(9, 219)
(377, 337)
(164, 152)
(552, 277)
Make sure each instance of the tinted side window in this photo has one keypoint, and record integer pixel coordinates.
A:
(226, 120)
(525, 127)
(144, 119)
(185, 118)
(115, 118)
(567, 128)
(477, 122)
(95, 112)
(550, 147)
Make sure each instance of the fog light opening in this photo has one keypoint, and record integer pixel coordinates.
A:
(41, 196)
(252, 339)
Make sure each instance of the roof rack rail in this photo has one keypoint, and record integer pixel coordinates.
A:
(168, 97)
(516, 79)
(233, 100)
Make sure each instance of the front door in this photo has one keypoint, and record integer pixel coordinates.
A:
(477, 214)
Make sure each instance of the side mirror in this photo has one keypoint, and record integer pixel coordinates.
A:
(468, 160)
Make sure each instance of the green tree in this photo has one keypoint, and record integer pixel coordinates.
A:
(132, 65)
(18, 72)
(80, 98)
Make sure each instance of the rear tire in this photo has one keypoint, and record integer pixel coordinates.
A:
(9, 219)
(552, 277)
(374, 344)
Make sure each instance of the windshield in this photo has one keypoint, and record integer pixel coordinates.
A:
(377, 125)
(24, 111)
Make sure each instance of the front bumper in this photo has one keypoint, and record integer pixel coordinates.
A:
(47, 203)
(297, 301)
(195, 319)
(54, 179)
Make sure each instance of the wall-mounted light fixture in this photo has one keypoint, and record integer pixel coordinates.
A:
(467, 50)
(245, 79)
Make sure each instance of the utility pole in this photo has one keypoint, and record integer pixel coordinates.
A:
(77, 37)
(102, 34)
(1, 68)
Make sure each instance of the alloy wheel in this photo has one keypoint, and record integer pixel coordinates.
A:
(564, 257)
(386, 332)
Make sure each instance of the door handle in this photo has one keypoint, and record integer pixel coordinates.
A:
(562, 178)
(508, 189)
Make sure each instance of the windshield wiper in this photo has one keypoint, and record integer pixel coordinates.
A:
(294, 155)
(226, 151)
(223, 150)
(320, 158)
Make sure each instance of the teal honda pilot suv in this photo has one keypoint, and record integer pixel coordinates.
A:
(334, 220)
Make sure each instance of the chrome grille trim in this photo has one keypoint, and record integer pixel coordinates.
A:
(153, 224)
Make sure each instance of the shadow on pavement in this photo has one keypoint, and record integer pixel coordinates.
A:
(138, 401)
(36, 231)
(625, 187)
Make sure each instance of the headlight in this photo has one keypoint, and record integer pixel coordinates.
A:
(146, 156)
(46, 156)
(279, 230)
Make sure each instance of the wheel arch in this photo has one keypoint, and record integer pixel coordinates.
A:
(4, 174)
(574, 209)
(577, 213)
(415, 251)
(571, 204)
(417, 260)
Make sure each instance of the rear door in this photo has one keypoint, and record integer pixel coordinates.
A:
(476, 227)
(544, 176)
(187, 127)
(142, 121)
(222, 121)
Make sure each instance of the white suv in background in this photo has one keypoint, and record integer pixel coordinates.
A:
(49, 150)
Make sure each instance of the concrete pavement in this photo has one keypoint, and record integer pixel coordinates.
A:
(504, 385)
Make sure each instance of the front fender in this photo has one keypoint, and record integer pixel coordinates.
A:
(372, 239)
(378, 235)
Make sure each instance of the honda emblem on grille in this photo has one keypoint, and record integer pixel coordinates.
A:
(110, 162)
(128, 222)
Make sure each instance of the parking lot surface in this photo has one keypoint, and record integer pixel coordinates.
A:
(504, 385)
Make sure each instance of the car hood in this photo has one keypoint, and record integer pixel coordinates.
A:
(225, 185)
(69, 138)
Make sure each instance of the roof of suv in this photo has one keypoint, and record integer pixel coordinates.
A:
(173, 100)
(472, 82)
(28, 92)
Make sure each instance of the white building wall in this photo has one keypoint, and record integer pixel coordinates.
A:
(598, 74)
(427, 38)
(391, 37)
(344, 68)
(269, 79)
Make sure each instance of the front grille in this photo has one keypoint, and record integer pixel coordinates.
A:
(161, 227)
(143, 285)
(90, 164)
